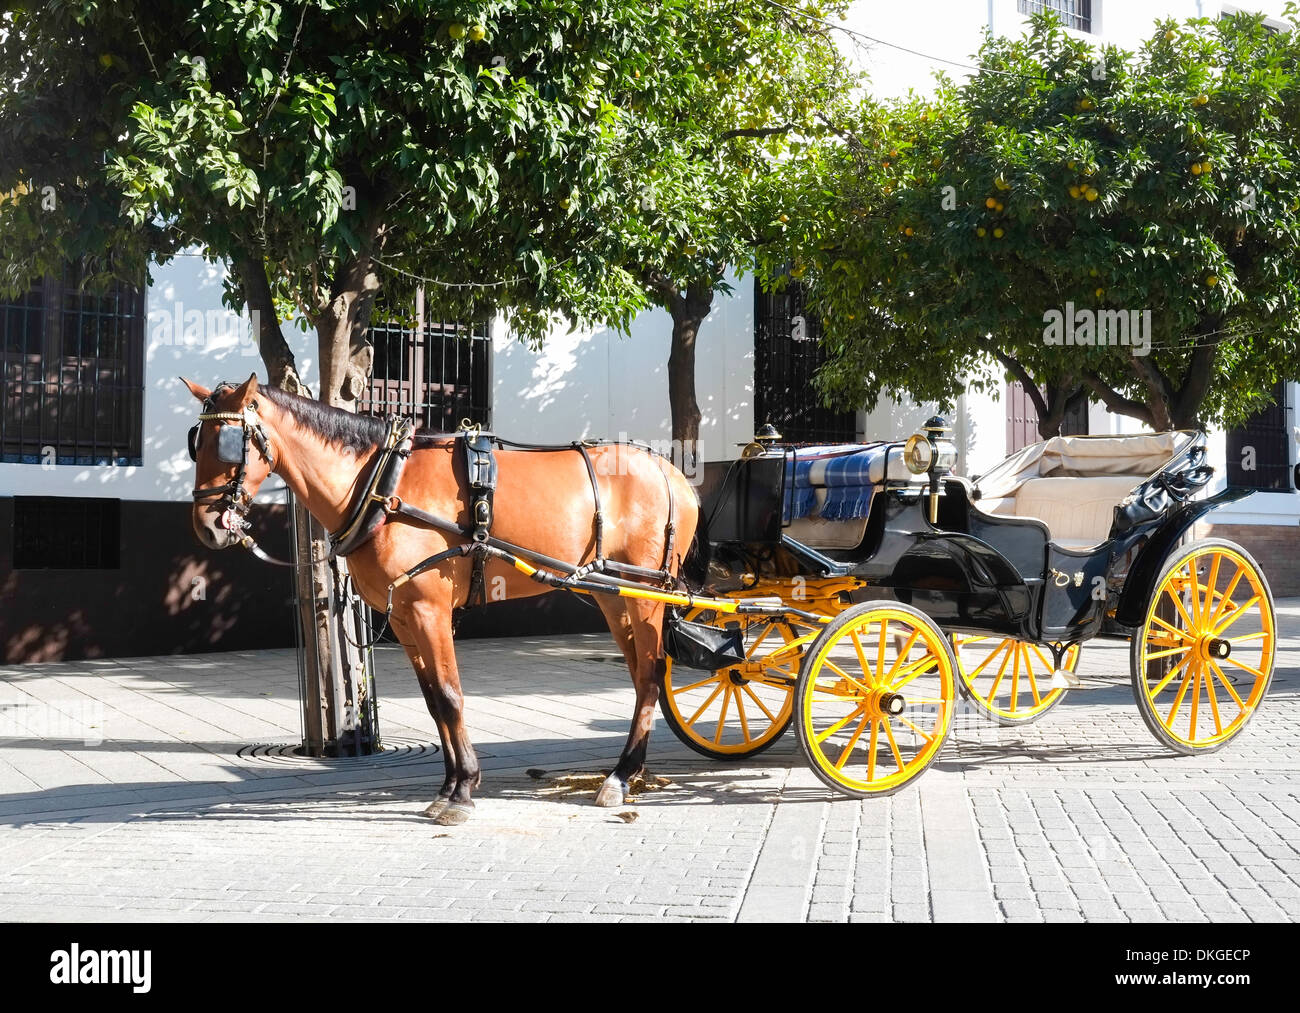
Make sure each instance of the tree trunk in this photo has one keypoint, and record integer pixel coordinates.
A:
(688, 311)
(339, 717)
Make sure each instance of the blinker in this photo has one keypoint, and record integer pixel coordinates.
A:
(230, 444)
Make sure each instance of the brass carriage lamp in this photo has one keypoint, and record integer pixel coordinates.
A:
(764, 440)
(930, 451)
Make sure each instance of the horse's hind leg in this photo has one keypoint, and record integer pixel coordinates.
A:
(635, 626)
(433, 636)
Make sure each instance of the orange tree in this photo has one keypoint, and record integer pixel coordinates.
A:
(941, 238)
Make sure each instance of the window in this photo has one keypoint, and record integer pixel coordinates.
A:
(787, 354)
(1259, 452)
(72, 373)
(436, 371)
(1076, 14)
(66, 533)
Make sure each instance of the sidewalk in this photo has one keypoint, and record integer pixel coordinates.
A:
(181, 803)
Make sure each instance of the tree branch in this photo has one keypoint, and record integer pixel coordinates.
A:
(1117, 402)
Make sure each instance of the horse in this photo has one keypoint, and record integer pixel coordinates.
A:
(544, 501)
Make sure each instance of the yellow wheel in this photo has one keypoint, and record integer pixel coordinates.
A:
(875, 698)
(1203, 658)
(739, 711)
(1008, 680)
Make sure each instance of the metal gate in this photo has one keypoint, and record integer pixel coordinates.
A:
(787, 354)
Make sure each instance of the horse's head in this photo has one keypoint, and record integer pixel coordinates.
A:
(231, 447)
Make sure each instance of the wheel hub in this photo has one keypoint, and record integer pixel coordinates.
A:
(1212, 648)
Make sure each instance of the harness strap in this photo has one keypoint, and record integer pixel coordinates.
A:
(599, 522)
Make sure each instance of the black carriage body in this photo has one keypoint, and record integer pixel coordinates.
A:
(972, 570)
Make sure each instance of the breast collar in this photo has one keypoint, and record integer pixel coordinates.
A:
(368, 513)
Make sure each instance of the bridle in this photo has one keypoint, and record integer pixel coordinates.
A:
(235, 500)
(232, 448)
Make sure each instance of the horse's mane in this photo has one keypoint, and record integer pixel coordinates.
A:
(343, 429)
(333, 425)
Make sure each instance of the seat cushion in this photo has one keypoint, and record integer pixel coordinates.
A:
(1077, 511)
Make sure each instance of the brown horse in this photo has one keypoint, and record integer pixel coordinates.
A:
(544, 501)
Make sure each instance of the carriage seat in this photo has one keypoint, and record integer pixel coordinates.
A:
(1078, 512)
(1073, 483)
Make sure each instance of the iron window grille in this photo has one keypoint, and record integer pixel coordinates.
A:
(1076, 14)
(787, 354)
(436, 371)
(1263, 440)
(67, 533)
(72, 373)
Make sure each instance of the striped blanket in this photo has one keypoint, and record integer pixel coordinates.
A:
(844, 472)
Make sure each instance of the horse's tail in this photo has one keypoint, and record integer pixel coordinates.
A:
(695, 567)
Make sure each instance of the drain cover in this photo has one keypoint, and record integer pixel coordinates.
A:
(395, 750)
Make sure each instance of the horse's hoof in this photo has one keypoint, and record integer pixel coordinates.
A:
(613, 792)
(455, 814)
(436, 807)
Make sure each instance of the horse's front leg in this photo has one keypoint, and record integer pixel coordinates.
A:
(424, 675)
(440, 681)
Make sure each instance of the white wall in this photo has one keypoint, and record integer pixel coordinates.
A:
(594, 383)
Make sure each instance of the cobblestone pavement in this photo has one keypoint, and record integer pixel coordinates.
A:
(185, 810)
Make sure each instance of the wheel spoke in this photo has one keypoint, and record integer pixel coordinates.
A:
(862, 655)
(1033, 683)
(1257, 673)
(760, 703)
(1211, 583)
(1178, 700)
(902, 655)
(722, 714)
(871, 750)
(1227, 595)
(697, 685)
(998, 681)
(705, 706)
(844, 753)
(740, 710)
(880, 650)
(845, 675)
(1160, 686)
(1231, 617)
(1214, 703)
(758, 640)
(1227, 684)
(1015, 680)
(916, 668)
(1249, 636)
(1172, 629)
(1179, 605)
(1005, 645)
(1196, 702)
(821, 737)
(925, 735)
(893, 746)
(1148, 656)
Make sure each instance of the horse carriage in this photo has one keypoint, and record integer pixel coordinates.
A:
(995, 584)
(852, 591)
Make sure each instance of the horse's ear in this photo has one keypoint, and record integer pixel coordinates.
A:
(200, 393)
(247, 389)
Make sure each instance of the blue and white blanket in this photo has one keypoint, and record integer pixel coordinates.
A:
(843, 471)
